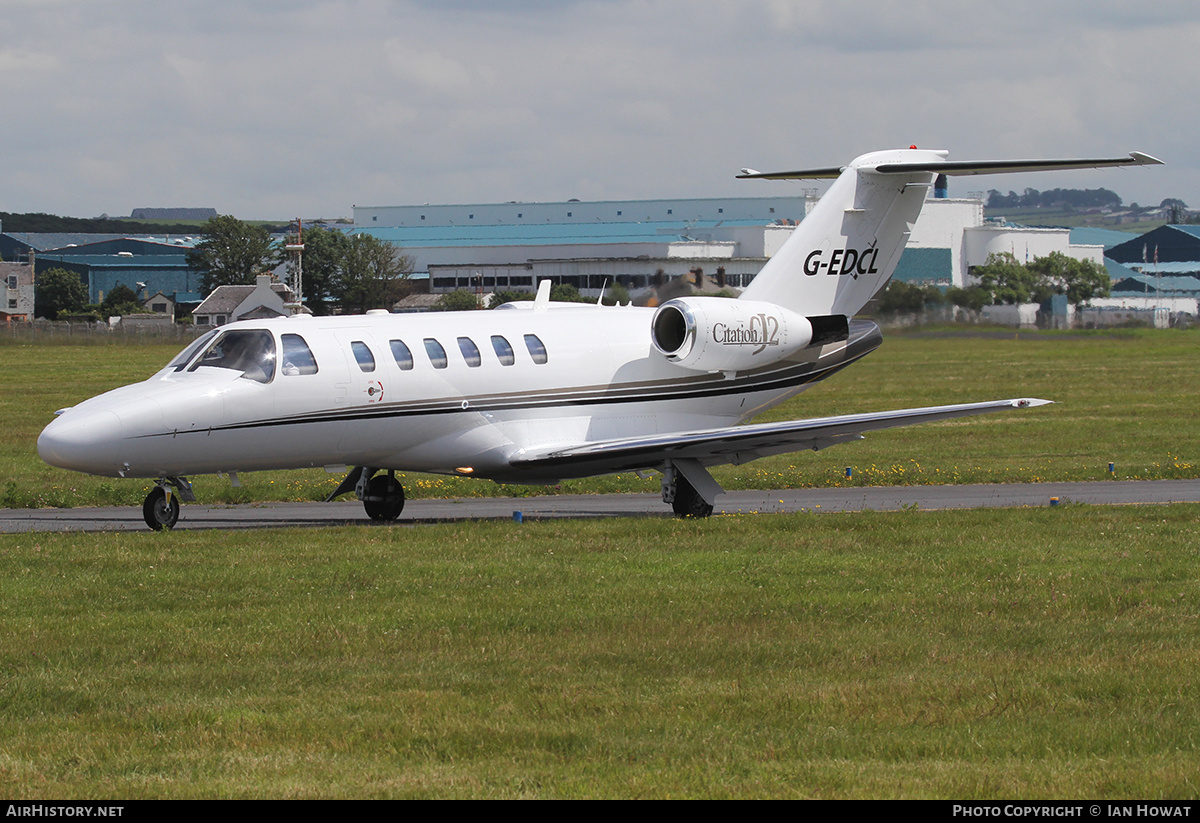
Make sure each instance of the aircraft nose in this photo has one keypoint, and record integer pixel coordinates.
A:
(82, 441)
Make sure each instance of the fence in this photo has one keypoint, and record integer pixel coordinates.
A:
(56, 331)
(1030, 316)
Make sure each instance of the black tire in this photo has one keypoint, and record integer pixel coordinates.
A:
(158, 511)
(688, 502)
(385, 498)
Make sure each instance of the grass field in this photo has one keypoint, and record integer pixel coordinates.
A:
(988, 654)
(1033, 653)
(1122, 396)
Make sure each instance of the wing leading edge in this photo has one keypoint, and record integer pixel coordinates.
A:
(733, 444)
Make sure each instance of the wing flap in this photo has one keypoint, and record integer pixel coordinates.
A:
(734, 444)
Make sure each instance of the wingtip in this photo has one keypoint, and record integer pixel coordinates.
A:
(1028, 402)
(1143, 159)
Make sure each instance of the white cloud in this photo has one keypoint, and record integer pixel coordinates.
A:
(277, 108)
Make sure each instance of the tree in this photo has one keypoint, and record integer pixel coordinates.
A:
(351, 273)
(1010, 282)
(1079, 280)
(325, 253)
(616, 294)
(1007, 281)
(908, 298)
(374, 275)
(972, 298)
(58, 291)
(457, 300)
(566, 293)
(121, 300)
(232, 253)
(501, 297)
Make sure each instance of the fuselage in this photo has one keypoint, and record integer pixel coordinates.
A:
(455, 393)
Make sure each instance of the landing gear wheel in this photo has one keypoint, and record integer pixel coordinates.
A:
(688, 502)
(384, 499)
(159, 511)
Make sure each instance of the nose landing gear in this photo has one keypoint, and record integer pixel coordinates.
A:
(161, 507)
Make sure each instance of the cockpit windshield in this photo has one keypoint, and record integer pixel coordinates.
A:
(251, 352)
(180, 360)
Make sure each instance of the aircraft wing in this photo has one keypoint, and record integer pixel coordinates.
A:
(734, 444)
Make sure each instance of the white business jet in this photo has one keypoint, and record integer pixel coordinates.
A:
(537, 392)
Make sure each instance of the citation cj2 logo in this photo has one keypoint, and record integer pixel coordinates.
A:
(761, 331)
(842, 261)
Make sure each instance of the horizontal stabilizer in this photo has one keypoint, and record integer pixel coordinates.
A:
(831, 173)
(967, 167)
(954, 168)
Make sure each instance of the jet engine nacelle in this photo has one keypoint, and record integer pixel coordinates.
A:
(718, 334)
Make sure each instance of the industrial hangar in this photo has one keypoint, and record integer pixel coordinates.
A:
(512, 246)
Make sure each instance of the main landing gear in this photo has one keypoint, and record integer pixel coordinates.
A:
(161, 507)
(689, 488)
(382, 495)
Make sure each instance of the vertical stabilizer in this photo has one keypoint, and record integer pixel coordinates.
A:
(846, 249)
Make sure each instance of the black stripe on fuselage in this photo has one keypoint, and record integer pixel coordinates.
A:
(767, 379)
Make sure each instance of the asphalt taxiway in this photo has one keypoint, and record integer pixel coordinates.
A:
(871, 498)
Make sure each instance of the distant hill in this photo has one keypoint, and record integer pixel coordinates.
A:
(173, 214)
(89, 225)
(38, 222)
(1071, 208)
(1124, 220)
(1055, 199)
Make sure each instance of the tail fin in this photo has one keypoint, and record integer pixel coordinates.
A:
(846, 249)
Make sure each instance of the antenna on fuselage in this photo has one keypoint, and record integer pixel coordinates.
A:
(542, 301)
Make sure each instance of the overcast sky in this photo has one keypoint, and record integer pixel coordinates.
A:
(279, 108)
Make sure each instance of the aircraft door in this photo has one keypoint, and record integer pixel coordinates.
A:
(310, 389)
(365, 380)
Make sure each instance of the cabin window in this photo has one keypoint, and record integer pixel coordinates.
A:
(537, 349)
(470, 352)
(181, 360)
(362, 354)
(297, 356)
(403, 355)
(437, 355)
(252, 352)
(504, 350)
